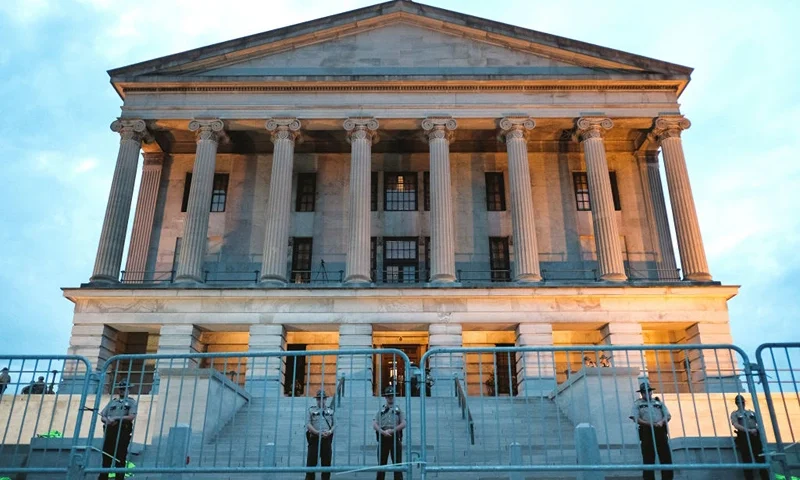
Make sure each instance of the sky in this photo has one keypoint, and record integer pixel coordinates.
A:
(58, 153)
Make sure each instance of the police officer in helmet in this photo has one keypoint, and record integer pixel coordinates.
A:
(319, 435)
(651, 416)
(117, 418)
(748, 439)
(389, 423)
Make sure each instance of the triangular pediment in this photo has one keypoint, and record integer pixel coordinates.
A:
(396, 49)
(398, 38)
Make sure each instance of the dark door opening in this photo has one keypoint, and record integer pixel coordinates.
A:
(390, 370)
(294, 380)
(505, 376)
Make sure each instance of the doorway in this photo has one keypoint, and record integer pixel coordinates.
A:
(294, 379)
(505, 378)
(390, 370)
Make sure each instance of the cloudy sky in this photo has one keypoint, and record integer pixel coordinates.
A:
(58, 153)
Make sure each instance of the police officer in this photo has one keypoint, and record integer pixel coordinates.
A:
(117, 418)
(651, 416)
(319, 434)
(389, 423)
(747, 437)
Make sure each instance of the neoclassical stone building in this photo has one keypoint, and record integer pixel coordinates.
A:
(399, 175)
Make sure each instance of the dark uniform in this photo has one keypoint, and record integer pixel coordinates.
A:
(748, 439)
(118, 432)
(319, 435)
(651, 416)
(390, 418)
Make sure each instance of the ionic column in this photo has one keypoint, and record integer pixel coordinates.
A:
(690, 242)
(284, 133)
(606, 234)
(115, 224)
(208, 134)
(668, 269)
(361, 135)
(143, 218)
(443, 260)
(526, 252)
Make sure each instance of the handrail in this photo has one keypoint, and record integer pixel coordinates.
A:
(337, 396)
(465, 411)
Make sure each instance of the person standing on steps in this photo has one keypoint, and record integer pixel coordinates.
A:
(389, 423)
(651, 416)
(319, 435)
(748, 438)
(117, 418)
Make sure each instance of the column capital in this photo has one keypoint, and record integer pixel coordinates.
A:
(439, 127)
(208, 129)
(592, 127)
(154, 159)
(283, 128)
(361, 128)
(131, 129)
(512, 128)
(669, 126)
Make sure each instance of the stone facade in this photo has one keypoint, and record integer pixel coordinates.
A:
(515, 197)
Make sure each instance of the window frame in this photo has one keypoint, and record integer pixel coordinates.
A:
(585, 204)
(401, 263)
(500, 267)
(412, 200)
(426, 190)
(187, 187)
(306, 201)
(495, 191)
(219, 192)
(304, 273)
(373, 193)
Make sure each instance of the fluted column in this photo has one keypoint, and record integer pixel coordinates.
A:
(667, 269)
(690, 242)
(115, 224)
(606, 234)
(361, 135)
(443, 260)
(526, 251)
(208, 133)
(284, 133)
(143, 217)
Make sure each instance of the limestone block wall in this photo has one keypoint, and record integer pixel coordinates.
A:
(565, 236)
(234, 368)
(320, 369)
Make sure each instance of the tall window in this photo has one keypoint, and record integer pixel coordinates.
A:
(495, 192)
(427, 266)
(581, 184)
(426, 187)
(498, 259)
(177, 255)
(306, 192)
(400, 192)
(219, 192)
(400, 260)
(301, 260)
(373, 193)
(373, 257)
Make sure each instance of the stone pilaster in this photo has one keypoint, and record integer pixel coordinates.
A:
(526, 250)
(617, 333)
(265, 374)
(443, 262)
(285, 132)
(714, 370)
(535, 370)
(115, 224)
(357, 369)
(179, 340)
(195, 232)
(690, 242)
(97, 343)
(143, 218)
(361, 133)
(606, 233)
(445, 366)
(654, 199)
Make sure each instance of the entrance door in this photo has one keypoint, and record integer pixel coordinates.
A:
(390, 370)
(506, 375)
(294, 380)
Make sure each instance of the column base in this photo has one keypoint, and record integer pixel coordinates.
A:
(187, 280)
(443, 278)
(613, 277)
(358, 281)
(440, 283)
(698, 277)
(272, 282)
(528, 278)
(103, 280)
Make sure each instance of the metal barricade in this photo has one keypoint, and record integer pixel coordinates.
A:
(42, 400)
(566, 410)
(244, 414)
(779, 372)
